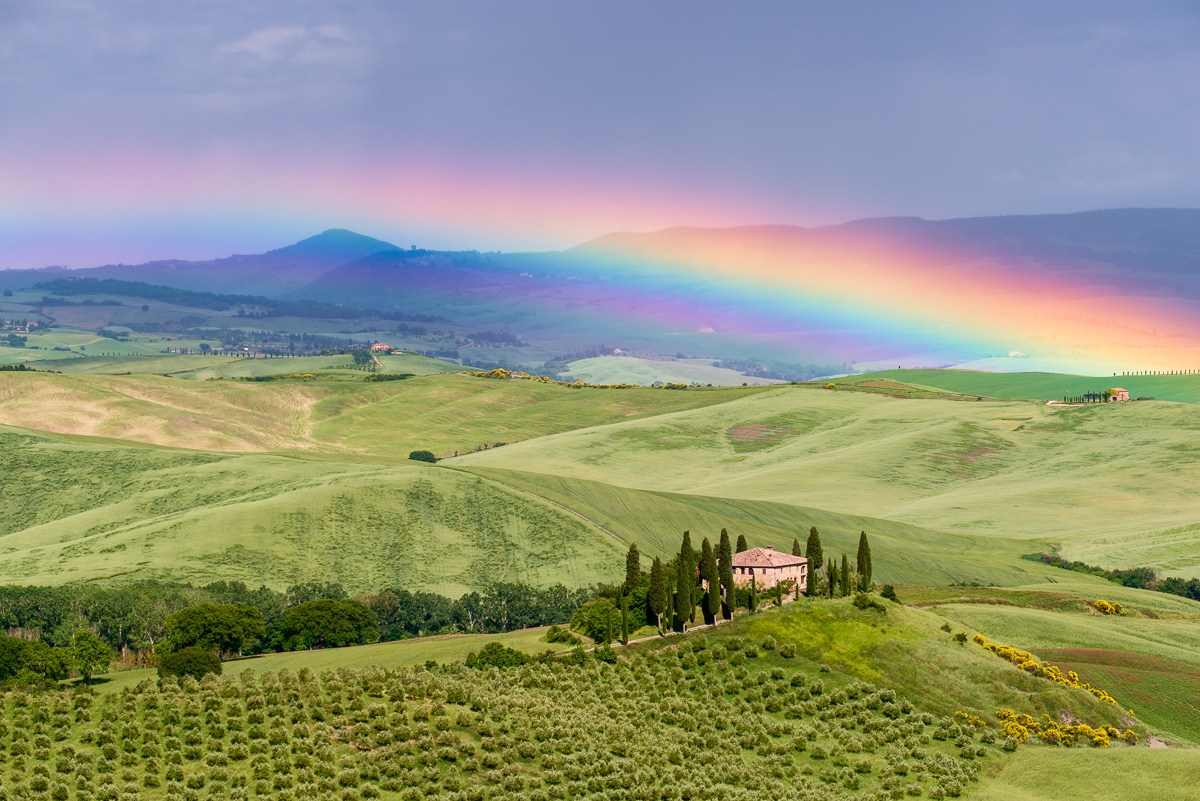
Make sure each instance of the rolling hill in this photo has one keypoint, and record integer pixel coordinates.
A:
(996, 469)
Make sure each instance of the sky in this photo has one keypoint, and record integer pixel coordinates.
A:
(133, 130)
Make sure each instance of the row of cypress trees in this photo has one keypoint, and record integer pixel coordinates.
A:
(675, 594)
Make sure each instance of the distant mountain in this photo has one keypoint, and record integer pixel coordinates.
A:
(1117, 287)
(273, 273)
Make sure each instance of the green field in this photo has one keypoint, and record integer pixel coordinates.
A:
(75, 511)
(1071, 774)
(1039, 386)
(630, 370)
(991, 469)
(385, 420)
(388, 655)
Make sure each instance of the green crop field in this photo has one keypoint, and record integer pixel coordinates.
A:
(1165, 692)
(629, 370)
(1071, 774)
(990, 469)
(88, 512)
(1039, 386)
(441, 413)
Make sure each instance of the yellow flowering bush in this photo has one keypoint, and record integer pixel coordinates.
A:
(1106, 608)
(1021, 727)
(1026, 662)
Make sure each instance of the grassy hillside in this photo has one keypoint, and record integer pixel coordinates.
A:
(901, 552)
(76, 511)
(441, 413)
(1070, 774)
(1014, 469)
(1172, 551)
(1040, 386)
(630, 370)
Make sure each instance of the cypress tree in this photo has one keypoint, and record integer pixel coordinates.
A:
(687, 578)
(753, 595)
(833, 577)
(625, 619)
(708, 572)
(864, 563)
(813, 551)
(742, 546)
(725, 566)
(608, 628)
(844, 575)
(657, 600)
(633, 569)
(796, 548)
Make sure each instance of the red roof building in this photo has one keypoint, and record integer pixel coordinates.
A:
(767, 567)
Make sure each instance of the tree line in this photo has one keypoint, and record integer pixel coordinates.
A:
(142, 620)
(1142, 578)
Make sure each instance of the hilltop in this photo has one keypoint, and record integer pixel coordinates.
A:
(1100, 290)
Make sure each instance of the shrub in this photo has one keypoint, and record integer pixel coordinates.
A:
(864, 601)
(889, 592)
(494, 654)
(422, 456)
(193, 662)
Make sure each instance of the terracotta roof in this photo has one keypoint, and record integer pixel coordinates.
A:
(766, 557)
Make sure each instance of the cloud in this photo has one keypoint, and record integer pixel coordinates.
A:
(317, 44)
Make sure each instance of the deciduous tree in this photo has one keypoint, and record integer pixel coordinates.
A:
(89, 652)
(221, 628)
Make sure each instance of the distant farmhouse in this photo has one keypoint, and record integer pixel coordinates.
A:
(1107, 396)
(766, 567)
(380, 347)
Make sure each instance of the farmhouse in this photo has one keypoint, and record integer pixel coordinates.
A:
(380, 347)
(767, 567)
(1118, 394)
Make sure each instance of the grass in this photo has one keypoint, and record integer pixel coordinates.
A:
(990, 469)
(1033, 629)
(398, 654)
(386, 420)
(1174, 551)
(1071, 774)
(656, 520)
(1040, 386)
(905, 649)
(631, 370)
(1165, 692)
(79, 511)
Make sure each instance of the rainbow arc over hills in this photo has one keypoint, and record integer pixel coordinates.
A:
(840, 295)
